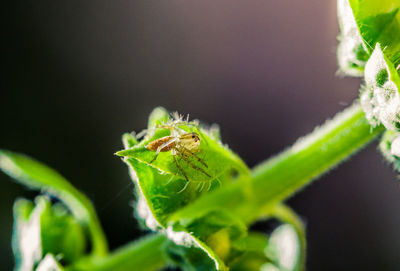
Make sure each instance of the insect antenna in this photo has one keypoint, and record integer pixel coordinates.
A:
(184, 174)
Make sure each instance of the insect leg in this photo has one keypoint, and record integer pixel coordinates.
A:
(155, 157)
(167, 144)
(195, 156)
(180, 169)
(191, 164)
(184, 174)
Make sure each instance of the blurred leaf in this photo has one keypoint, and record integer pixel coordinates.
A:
(26, 240)
(351, 53)
(128, 140)
(363, 24)
(38, 176)
(40, 229)
(269, 267)
(49, 263)
(390, 147)
(61, 233)
(286, 215)
(380, 98)
(284, 248)
(157, 117)
(378, 23)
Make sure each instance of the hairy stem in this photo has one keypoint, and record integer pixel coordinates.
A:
(271, 182)
(280, 177)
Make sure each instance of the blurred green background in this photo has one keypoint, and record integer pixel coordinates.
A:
(77, 74)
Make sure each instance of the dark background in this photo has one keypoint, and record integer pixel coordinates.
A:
(77, 74)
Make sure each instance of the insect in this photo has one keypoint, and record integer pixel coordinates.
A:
(183, 146)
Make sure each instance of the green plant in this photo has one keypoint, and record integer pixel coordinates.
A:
(200, 200)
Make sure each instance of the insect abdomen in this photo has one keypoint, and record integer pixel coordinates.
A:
(154, 145)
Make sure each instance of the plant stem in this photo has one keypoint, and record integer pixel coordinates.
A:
(145, 255)
(280, 177)
(271, 182)
(314, 155)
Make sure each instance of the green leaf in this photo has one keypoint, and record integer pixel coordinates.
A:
(217, 157)
(157, 195)
(191, 254)
(253, 258)
(62, 235)
(40, 229)
(209, 242)
(38, 176)
(170, 182)
(378, 22)
(202, 242)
